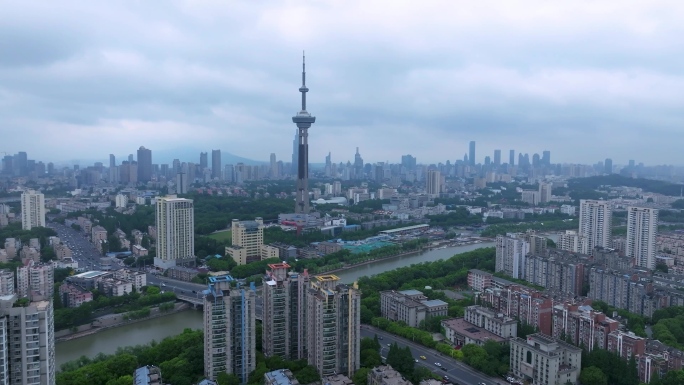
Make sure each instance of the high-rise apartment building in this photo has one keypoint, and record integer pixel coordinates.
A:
(433, 185)
(595, 223)
(546, 158)
(128, 172)
(284, 313)
(642, 228)
(511, 252)
(572, 241)
(511, 158)
(144, 164)
(274, 166)
(216, 164)
(608, 166)
(175, 219)
(471, 153)
(247, 239)
(32, 210)
(35, 281)
(333, 326)
(230, 334)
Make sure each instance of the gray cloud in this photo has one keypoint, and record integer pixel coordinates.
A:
(583, 80)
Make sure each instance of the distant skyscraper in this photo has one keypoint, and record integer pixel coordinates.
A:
(328, 164)
(358, 164)
(497, 157)
(112, 160)
(333, 326)
(303, 120)
(471, 153)
(130, 158)
(608, 166)
(215, 164)
(546, 158)
(175, 219)
(32, 210)
(295, 153)
(182, 183)
(274, 166)
(545, 192)
(230, 334)
(511, 158)
(487, 160)
(434, 183)
(408, 162)
(642, 228)
(595, 224)
(204, 162)
(144, 164)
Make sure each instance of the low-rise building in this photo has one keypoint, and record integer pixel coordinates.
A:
(268, 251)
(114, 287)
(460, 332)
(386, 375)
(479, 280)
(237, 253)
(544, 360)
(280, 377)
(62, 251)
(497, 323)
(98, 233)
(181, 273)
(147, 375)
(138, 279)
(139, 251)
(410, 306)
(74, 296)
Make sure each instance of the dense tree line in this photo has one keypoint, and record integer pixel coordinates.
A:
(180, 358)
(668, 326)
(14, 230)
(551, 225)
(111, 219)
(613, 368)
(650, 185)
(459, 217)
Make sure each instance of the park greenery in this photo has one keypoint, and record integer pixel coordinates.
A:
(668, 326)
(14, 230)
(649, 185)
(521, 227)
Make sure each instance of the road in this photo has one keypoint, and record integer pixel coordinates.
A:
(458, 372)
(82, 250)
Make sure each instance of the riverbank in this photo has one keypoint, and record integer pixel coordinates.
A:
(425, 249)
(112, 321)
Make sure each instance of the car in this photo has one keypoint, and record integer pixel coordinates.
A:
(389, 344)
(446, 378)
(416, 360)
(163, 284)
(438, 364)
(423, 358)
(443, 368)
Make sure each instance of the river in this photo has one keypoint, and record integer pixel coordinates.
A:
(157, 329)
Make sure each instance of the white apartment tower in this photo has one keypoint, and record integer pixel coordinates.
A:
(433, 183)
(32, 210)
(571, 241)
(175, 220)
(642, 228)
(595, 223)
(35, 281)
(229, 330)
(511, 254)
(333, 326)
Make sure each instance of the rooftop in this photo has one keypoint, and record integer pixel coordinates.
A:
(466, 329)
(91, 274)
(221, 278)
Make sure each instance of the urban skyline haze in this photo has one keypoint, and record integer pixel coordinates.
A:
(83, 80)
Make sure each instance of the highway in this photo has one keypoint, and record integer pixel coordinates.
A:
(82, 250)
(458, 372)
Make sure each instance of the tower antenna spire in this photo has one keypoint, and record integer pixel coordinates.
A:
(303, 120)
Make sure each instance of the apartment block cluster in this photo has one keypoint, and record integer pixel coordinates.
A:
(313, 318)
(27, 346)
(76, 289)
(410, 306)
(568, 320)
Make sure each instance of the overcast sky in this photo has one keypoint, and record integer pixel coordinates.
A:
(584, 79)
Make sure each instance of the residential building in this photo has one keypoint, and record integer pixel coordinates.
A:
(32, 210)
(6, 282)
(595, 224)
(544, 360)
(175, 222)
(121, 201)
(558, 271)
(581, 325)
(522, 303)
(229, 340)
(268, 252)
(333, 326)
(98, 234)
(284, 312)
(511, 253)
(530, 197)
(460, 332)
(147, 375)
(642, 229)
(572, 241)
(137, 278)
(182, 273)
(489, 320)
(479, 280)
(433, 185)
(30, 357)
(280, 377)
(626, 344)
(545, 192)
(247, 237)
(112, 287)
(410, 306)
(216, 164)
(74, 296)
(386, 375)
(35, 281)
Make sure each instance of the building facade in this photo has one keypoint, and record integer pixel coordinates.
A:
(511, 253)
(247, 237)
(175, 220)
(544, 360)
(229, 338)
(32, 210)
(333, 326)
(642, 229)
(595, 224)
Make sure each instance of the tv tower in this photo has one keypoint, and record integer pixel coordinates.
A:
(303, 120)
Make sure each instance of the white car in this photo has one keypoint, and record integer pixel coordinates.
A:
(438, 364)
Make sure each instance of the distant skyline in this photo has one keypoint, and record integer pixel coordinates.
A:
(584, 80)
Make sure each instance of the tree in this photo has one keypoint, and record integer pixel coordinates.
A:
(307, 375)
(227, 379)
(593, 376)
(361, 376)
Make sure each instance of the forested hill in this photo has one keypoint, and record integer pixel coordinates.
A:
(649, 185)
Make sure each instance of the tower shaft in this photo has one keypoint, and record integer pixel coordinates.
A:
(303, 120)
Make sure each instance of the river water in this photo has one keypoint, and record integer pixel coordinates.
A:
(157, 329)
